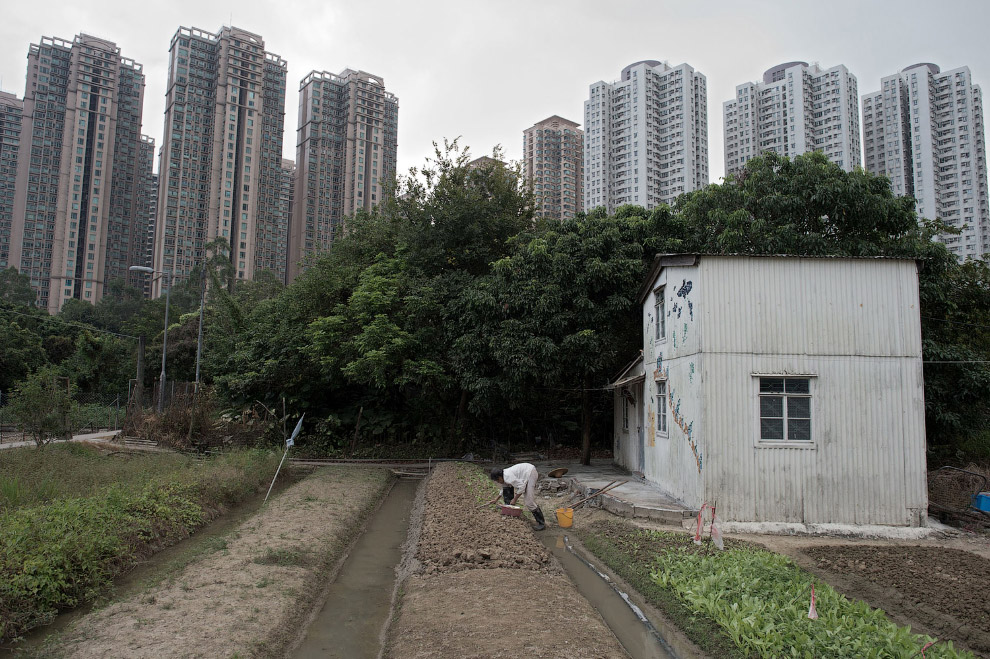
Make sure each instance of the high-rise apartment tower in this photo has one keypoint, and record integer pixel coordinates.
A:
(141, 235)
(78, 167)
(286, 190)
(797, 108)
(221, 158)
(924, 131)
(553, 167)
(11, 113)
(645, 136)
(345, 156)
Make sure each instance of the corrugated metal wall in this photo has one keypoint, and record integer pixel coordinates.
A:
(853, 326)
(865, 465)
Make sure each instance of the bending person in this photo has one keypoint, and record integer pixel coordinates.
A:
(522, 478)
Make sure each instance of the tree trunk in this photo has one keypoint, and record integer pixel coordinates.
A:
(357, 429)
(586, 423)
(461, 413)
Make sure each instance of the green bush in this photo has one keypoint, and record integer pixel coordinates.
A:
(64, 552)
(42, 405)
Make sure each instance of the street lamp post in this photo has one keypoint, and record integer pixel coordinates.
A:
(168, 295)
(202, 303)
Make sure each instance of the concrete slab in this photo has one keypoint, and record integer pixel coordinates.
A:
(104, 436)
(634, 498)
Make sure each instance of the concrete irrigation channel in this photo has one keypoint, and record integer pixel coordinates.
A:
(359, 601)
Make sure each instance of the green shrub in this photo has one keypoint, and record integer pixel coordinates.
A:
(42, 405)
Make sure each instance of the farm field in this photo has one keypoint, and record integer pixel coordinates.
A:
(252, 592)
(75, 516)
(473, 583)
(938, 590)
(759, 600)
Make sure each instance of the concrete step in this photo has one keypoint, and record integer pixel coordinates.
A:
(623, 508)
(137, 441)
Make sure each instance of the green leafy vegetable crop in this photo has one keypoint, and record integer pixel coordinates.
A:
(761, 601)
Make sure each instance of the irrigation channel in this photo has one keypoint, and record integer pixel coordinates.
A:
(637, 634)
(358, 604)
(359, 600)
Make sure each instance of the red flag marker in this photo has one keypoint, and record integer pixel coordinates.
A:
(812, 613)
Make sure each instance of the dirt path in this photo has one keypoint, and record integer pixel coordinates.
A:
(478, 584)
(249, 598)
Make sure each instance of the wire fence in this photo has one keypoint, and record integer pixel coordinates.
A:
(93, 412)
(176, 393)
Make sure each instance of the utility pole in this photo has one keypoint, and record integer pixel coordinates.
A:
(161, 386)
(139, 383)
(168, 296)
(202, 303)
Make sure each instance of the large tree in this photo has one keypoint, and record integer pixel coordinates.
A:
(365, 330)
(559, 315)
(21, 352)
(15, 288)
(806, 205)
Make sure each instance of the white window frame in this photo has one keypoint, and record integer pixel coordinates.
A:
(659, 309)
(661, 401)
(810, 396)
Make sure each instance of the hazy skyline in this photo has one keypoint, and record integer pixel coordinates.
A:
(487, 71)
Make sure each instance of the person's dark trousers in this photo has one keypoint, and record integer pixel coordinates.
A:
(508, 492)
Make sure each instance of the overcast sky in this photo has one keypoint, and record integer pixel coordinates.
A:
(488, 70)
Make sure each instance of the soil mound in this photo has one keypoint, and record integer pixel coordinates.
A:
(457, 534)
(483, 585)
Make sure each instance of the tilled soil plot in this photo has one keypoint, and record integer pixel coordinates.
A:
(939, 591)
(485, 586)
(458, 535)
(249, 597)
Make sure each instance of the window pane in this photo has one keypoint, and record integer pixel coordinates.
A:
(662, 407)
(771, 385)
(798, 408)
(771, 428)
(797, 386)
(799, 429)
(771, 406)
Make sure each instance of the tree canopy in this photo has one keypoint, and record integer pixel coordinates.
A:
(450, 319)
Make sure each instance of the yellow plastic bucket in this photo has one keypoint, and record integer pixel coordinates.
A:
(565, 517)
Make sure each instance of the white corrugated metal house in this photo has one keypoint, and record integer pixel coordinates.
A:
(784, 389)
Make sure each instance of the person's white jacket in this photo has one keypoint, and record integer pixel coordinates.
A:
(522, 477)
